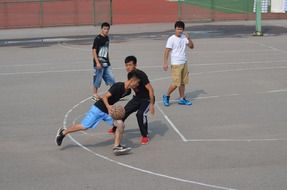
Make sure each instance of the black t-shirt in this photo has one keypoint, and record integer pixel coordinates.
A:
(101, 44)
(141, 91)
(117, 91)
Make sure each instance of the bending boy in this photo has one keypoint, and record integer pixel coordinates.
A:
(101, 111)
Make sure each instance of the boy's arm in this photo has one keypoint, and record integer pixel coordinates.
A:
(95, 57)
(151, 96)
(190, 43)
(165, 58)
(105, 100)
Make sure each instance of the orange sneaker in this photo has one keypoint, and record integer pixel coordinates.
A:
(111, 131)
(144, 140)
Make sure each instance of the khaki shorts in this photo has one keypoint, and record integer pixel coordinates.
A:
(179, 74)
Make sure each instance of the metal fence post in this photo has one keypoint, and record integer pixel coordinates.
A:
(111, 12)
(212, 10)
(179, 11)
(41, 18)
(94, 13)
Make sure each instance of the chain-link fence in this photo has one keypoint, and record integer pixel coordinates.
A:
(42, 13)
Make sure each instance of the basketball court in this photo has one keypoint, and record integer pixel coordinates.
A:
(234, 136)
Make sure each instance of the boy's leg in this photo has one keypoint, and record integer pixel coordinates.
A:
(119, 124)
(74, 128)
(91, 120)
(108, 76)
(181, 91)
(171, 89)
(175, 75)
(61, 133)
(130, 107)
(184, 81)
(142, 120)
(118, 148)
(97, 79)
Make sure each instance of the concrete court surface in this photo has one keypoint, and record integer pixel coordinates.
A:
(234, 136)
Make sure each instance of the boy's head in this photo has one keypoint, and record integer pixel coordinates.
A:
(105, 28)
(130, 63)
(133, 78)
(179, 28)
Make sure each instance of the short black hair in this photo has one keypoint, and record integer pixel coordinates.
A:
(179, 24)
(131, 58)
(133, 74)
(105, 24)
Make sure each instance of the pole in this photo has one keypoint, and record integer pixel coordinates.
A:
(111, 12)
(212, 7)
(41, 14)
(258, 31)
(94, 13)
(179, 12)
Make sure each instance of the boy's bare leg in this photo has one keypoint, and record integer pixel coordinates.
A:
(119, 132)
(74, 128)
(96, 93)
(181, 90)
(61, 133)
(171, 88)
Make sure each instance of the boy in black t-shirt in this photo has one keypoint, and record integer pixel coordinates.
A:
(101, 60)
(142, 101)
(101, 111)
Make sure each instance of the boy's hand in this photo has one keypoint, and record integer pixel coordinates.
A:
(98, 66)
(187, 35)
(165, 66)
(110, 109)
(151, 108)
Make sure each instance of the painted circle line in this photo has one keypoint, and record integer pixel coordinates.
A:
(143, 170)
(132, 167)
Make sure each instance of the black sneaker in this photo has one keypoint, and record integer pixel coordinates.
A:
(60, 136)
(119, 150)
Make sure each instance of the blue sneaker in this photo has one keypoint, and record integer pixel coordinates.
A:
(165, 100)
(183, 101)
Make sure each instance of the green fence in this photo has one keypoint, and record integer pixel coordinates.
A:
(191, 10)
(225, 6)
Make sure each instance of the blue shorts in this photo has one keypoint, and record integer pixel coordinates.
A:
(94, 116)
(104, 73)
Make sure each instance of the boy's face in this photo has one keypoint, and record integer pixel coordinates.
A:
(130, 66)
(178, 31)
(105, 30)
(134, 82)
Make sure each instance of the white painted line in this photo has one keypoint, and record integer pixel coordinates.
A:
(270, 47)
(239, 70)
(277, 91)
(132, 167)
(157, 79)
(62, 44)
(239, 63)
(216, 140)
(46, 72)
(233, 51)
(171, 123)
(211, 97)
(25, 65)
